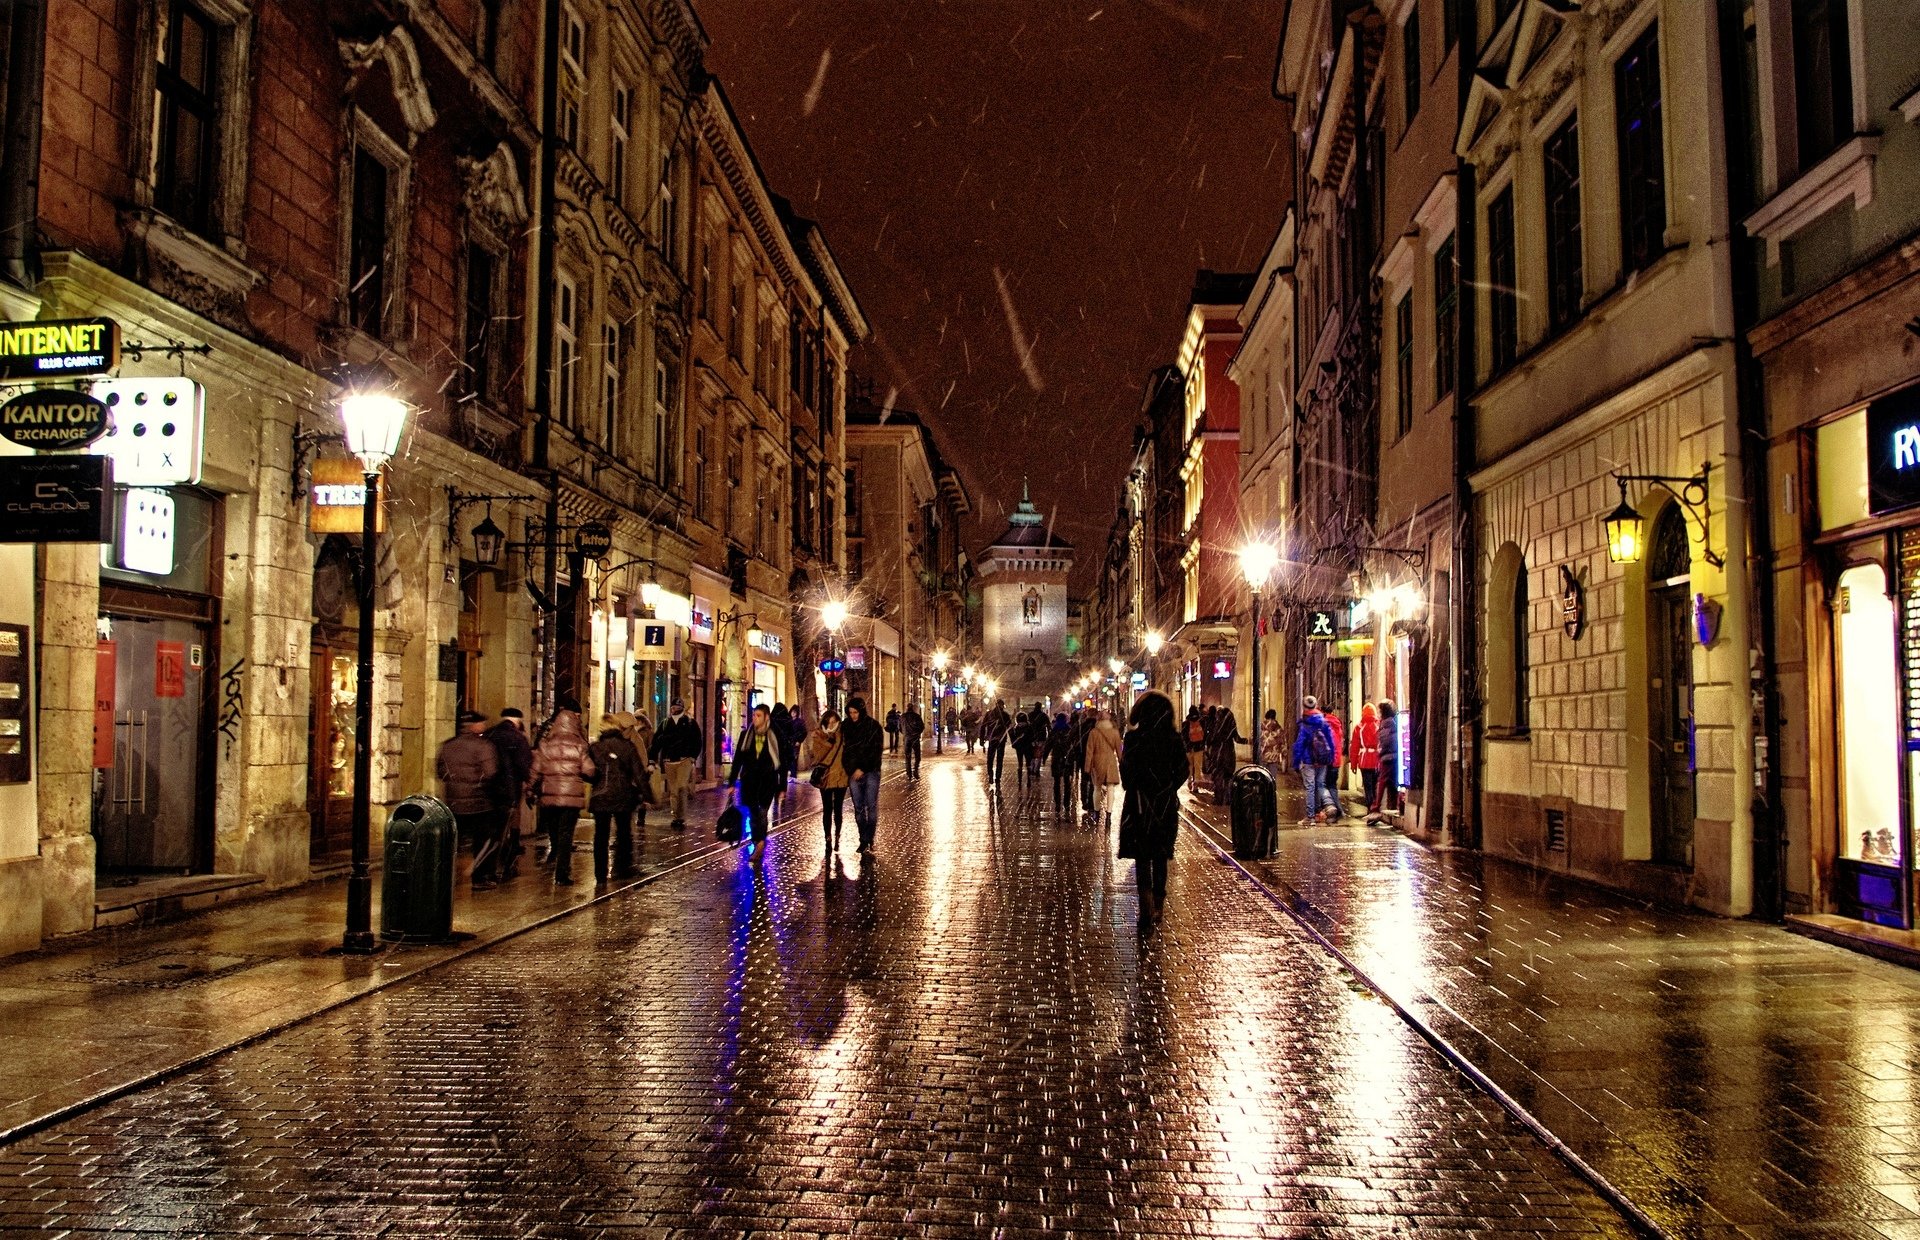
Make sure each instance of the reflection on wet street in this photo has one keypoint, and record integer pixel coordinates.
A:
(964, 1034)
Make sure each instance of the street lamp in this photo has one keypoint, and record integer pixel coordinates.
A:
(373, 422)
(939, 662)
(1154, 642)
(1257, 562)
(833, 614)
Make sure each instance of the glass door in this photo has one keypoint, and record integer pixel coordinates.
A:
(150, 820)
(330, 769)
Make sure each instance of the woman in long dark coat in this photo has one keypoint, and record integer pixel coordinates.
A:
(1153, 766)
(1222, 757)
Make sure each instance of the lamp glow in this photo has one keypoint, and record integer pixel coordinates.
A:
(1257, 562)
(1153, 643)
(373, 422)
(833, 615)
(939, 660)
(1626, 530)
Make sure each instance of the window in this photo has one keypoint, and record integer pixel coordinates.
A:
(1410, 66)
(703, 279)
(1403, 366)
(669, 230)
(1822, 77)
(1030, 672)
(763, 354)
(1643, 178)
(1521, 704)
(619, 113)
(662, 421)
(1505, 682)
(700, 504)
(573, 74)
(1504, 321)
(736, 469)
(1446, 318)
(855, 525)
(566, 351)
(795, 351)
(186, 86)
(483, 308)
(1565, 286)
(736, 326)
(613, 365)
(367, 245)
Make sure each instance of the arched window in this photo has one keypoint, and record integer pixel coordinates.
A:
(1505, 687)
(1030, 671)
(1670, 556)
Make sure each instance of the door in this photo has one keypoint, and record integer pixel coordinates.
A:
(1670, 690)
(1869, 880)
(330, 767)
(151, 819)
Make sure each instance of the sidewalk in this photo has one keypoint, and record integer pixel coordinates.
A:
(95, 1016)
(1729, 1077)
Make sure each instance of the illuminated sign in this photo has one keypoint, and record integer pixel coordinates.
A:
(1893, 451)
(760, 639)
(833, 665)
(656, 641)
(857, 658)
(1139, 680)
(59, 347)
(146, 532)
(1223, 669)
(53, 418)
(700, 619)
(156, 430)
(339, 498)
(1322, 625)
(49, 499)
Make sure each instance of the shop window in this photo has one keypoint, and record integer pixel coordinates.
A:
(1565, 283)
(1867, 724)
(1642, 153)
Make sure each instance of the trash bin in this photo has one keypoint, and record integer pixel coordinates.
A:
(416, 884)
(1255, 814)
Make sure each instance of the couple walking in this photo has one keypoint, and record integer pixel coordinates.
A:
(1321, 753)
(845, 759)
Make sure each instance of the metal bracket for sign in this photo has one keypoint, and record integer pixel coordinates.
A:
(177, 349)
(1691, 495)
(304, 442)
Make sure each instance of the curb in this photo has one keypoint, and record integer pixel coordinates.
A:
(1305, 915)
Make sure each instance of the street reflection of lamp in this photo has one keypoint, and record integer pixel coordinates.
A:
(373, 422)
(1257, 562)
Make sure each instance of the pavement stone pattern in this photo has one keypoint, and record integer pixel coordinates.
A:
(965, 1035)
(1728, 1076)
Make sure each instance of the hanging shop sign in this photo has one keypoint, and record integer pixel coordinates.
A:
(156, 430)
(656, 641)
(1322, 625)
(857, 658)
(52, 499)
(1222, 669)
(143, 540)
(59, 347)
(1573, 604)
(53, 418)
(700, 620)
(1893, 451)
(1350, 648)
(772, 643)
(337, 497)
(593, 540)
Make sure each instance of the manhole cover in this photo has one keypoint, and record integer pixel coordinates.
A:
(167, 969)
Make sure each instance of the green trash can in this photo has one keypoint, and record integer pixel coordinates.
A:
(416, 884)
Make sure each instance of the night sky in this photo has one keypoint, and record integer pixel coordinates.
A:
(1062, 165)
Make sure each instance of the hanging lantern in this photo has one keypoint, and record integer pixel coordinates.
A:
(1626, 533)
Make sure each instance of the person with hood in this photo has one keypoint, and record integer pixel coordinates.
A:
(1021, 738)
(468, 768)
(616, 794)
(638, 730)
(828, 775)
(781, 721)
(993, 734)
(893, 728)
(756, 777)
(562, 769)
(1060, 764)
(1102, 749)
(676, 747)
(861, 755)
(913, 726)
(1194, 733)
(1223, 756)
(512, 786)
(1273, 746)
(1391, 777)
(1363, 752)
(796, 739)
(1334, 774)
(1313, 750)
(1153, 766)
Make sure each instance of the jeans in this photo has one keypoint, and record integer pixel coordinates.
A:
(557, 823)
(996, 760)
(679, 780)
(1370, 784)
(758, 815)
(913, 757)
(865, 794)
(893, 741)
(831, 802)
(615, 826)
(1063, 792)
(1315, 778)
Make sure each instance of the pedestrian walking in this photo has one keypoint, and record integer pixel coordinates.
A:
(1392, 778)
(1194, 732)
(829, 775)
(994, 729)
(1223, 756)
(1313, 756)
(1021, 739)
(513, 786)
(861, 756)
(1060, 764)
(1037, 728)
(638, 730)
(1339, 767)
(781, 721)
(1273, 746)
(1082, 777)
(756, 777)
(676, 746)
(1153, 766)
(1363, 752)
(562, 769)
(970, 723)
(795, 739)
(616, 794)
(468, 768)
(893, 729)
(950, 726)
(912, 727)
(1102, 758)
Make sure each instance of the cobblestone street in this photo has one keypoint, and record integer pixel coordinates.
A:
(964, 1035)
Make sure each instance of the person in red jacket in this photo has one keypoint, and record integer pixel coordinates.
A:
(1334, 772)
(1363, 750)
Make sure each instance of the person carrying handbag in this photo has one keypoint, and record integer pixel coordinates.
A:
(1153, 766)
(829, 775)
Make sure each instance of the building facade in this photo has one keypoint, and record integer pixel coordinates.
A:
(1027, 644)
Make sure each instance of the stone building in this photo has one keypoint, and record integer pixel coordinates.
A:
(1026, 644)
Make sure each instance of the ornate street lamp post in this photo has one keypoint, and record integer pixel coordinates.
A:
(1257, 561)
(833, 614)
(939, 701)
(373, 422)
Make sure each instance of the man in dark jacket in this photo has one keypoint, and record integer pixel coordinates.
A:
(861, 754)
(468, 766)
(756, 775)
(994, 730)
(912, 727)
(893, 729)
(614, 799)
(676, 746)
(511, 783)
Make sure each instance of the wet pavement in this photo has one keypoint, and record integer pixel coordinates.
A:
(97, 1014)
(965, 1035)
(1728, 1076)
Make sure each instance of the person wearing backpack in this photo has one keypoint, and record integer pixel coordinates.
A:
(615, 796)
(1313, 753)
(1194, 732)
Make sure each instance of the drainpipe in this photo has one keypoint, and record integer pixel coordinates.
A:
(1463, 610)
(544, 281)
(20, 198)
